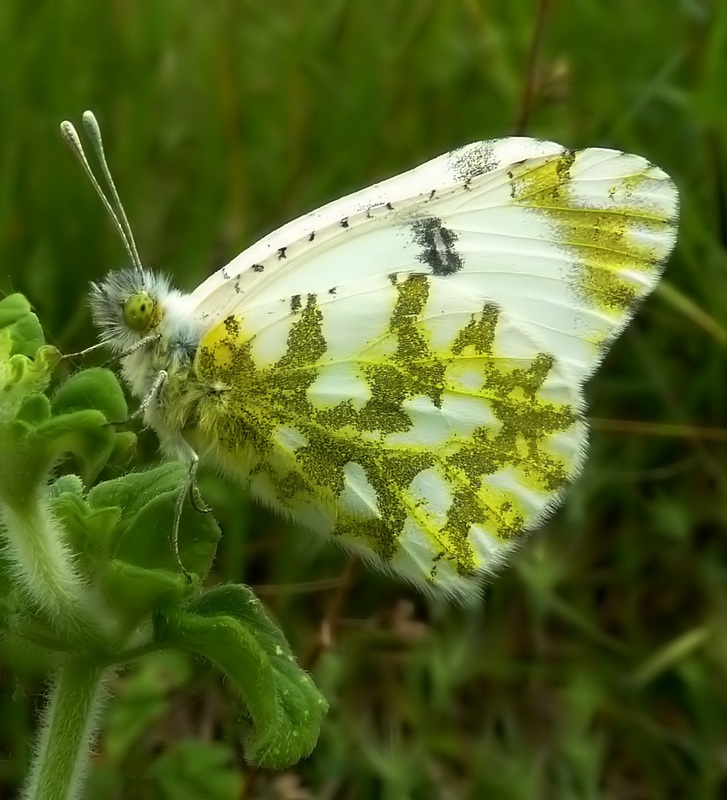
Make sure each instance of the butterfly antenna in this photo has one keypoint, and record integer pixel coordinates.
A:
(93, 131)
(119, 219)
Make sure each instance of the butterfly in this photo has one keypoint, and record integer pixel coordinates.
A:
(402, 370)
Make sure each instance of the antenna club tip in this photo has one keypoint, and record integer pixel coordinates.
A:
(69, 132)
(90, 123)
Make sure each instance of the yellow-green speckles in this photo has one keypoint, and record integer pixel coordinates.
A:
(607, 243)
(305, 340)
(479, 333)
(527, 421)
(421, 371)
(221, 346)
(340, 457)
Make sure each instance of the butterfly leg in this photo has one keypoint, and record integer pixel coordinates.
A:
(189, 487)
(195, 497)
(103, 345)
(152, 337)
(86, 351)
(151, 396)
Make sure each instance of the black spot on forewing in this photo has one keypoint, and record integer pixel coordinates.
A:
(472, 161)
(258, 267)
(437, 246)
(281, 252)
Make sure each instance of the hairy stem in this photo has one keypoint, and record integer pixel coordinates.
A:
(67, 731)
(44, 571)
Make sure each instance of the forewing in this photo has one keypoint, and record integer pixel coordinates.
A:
(568, 242)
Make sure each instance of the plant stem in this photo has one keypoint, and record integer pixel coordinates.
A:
(67, 732)
(44, 571)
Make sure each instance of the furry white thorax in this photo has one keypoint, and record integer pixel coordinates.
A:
(178, 331)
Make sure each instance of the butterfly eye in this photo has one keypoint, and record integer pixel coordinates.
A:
(140, 312)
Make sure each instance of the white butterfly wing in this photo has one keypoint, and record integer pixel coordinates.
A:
(403, 368)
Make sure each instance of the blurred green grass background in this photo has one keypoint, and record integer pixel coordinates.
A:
(596, 664)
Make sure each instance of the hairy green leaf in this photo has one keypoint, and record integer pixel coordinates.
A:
(229, 626)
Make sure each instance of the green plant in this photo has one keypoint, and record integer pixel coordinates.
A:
(87, 575)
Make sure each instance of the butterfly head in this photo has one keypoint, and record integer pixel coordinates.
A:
(128, 305)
